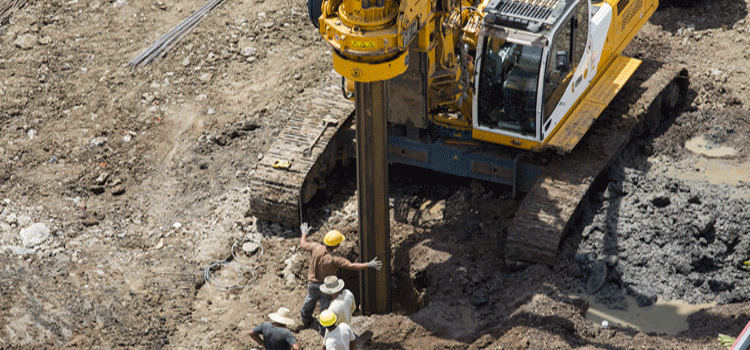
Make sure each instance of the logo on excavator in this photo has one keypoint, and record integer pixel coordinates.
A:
(363, 44)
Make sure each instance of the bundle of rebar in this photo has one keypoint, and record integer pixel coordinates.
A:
(7, 7)
(166, 42)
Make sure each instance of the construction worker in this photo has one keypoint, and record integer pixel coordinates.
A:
(338, 336)
(275, 335)
(342, 303)
(323, 263)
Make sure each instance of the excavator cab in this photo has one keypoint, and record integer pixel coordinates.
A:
(508, 82)
(527, 55)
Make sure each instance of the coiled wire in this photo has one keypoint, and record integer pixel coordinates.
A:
(239, 266)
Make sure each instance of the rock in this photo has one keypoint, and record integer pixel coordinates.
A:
(206, 77)
(102, 177)
(250, 248)
(705, 224)
(89, 221)
(26, 41)
(248, 51)
(34, 235)
(98, 141)
(288, 272)
(118, 190)
(17, 250)
(11, 219)
(24, 220)
(4, 228)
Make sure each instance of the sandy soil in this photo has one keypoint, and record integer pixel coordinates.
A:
(141, 177)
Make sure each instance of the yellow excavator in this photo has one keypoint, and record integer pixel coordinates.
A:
(481, 89)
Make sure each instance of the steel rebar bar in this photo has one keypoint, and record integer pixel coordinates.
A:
(166, 42)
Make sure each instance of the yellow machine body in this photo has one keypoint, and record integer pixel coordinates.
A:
(561, 61)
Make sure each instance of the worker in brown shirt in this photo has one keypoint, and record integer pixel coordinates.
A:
(322, 264)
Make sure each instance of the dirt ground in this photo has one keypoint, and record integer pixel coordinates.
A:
(141, 177)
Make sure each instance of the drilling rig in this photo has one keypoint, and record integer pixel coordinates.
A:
(485, 89)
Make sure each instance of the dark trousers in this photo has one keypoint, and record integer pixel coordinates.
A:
(311, 300)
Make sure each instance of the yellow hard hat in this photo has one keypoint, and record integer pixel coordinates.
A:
(327, 318)
(333, 238)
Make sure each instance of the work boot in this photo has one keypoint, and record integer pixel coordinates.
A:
(306, 323)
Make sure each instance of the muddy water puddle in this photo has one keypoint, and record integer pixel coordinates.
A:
(667, 317)
(701, 145)
(713, 166)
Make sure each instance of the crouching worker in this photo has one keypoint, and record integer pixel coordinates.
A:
(338, 337)
(275, 335)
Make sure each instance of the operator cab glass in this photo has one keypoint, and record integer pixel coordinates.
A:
(530, 71)
(508, 83)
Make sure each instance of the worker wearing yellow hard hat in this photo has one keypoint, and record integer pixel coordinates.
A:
(333, 238)
(324, 263)
(339, 336)
(327, 318)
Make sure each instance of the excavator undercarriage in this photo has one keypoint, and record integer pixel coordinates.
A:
(551, 187)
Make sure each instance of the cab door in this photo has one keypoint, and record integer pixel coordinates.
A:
(566, 76)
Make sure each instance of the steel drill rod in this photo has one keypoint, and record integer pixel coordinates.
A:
(372, 194)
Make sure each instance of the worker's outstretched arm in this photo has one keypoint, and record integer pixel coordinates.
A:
(304, 229)
(373, 264)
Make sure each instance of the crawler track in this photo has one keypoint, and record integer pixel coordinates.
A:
(277, 191)
(545, 212)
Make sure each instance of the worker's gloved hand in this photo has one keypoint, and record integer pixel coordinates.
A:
(304, 228)
(375, 264)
